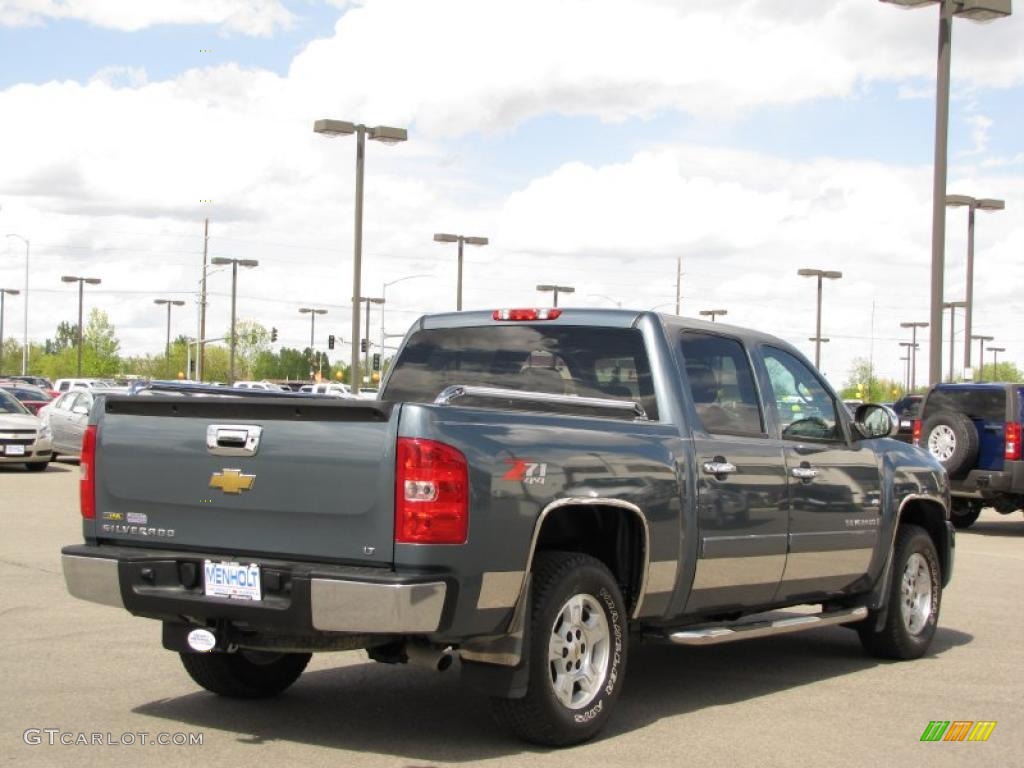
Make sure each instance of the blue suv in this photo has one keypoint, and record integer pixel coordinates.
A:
(974, 430)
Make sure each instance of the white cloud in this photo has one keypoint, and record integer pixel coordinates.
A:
(248, 17)
(119, 195)
(455, 66)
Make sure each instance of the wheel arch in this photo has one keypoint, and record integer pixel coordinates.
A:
(931, 514)
(614, 531)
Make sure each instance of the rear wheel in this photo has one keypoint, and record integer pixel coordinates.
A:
(912, 608)
(245, 674)
(964, 514)
(577, 652)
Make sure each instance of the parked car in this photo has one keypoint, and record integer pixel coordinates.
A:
(368, 393)
(533, 491)
(64, 385)
(264, 385)
(908, 410)
(24, 438)
(31, 396)
(974, 430)
(337, 390)
(39, 381)
(68, 415)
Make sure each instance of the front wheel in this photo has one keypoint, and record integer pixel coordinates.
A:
(245, 674)
(37, 466)
(576, 655)
(912, 608)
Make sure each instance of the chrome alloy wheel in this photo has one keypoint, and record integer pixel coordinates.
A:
(579, 651)
(916, 594)
(942, 442)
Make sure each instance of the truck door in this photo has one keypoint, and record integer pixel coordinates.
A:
(834, 483)
(741, 481)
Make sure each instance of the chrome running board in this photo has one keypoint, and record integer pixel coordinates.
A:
(740, 631)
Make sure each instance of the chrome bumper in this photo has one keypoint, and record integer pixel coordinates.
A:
(335, 605)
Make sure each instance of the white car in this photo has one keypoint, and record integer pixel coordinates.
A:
(337, 390)
(264, 385)
(24, 438)
(368, 393)
(65, 385)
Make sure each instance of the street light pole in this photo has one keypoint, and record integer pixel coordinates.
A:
(81, 289)
(386, 135)
(911, 348)
(981, 354)
(556, 289)
(4, 292)
(913, 353)
(167, 346)
(312, 312)
(460, 239)
(978, 11)
(235, 264)
(679, 283)
(821, 274)
(995, 361)
(366, 359)
(713, 313)
(24, 341)
(952, 307)
(972, 204)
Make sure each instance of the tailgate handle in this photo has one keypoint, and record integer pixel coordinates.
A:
(233, 439)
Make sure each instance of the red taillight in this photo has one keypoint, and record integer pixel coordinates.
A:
(87, 470)
(917, 432)
(431, 493)
(1012, 445)
(526, 314)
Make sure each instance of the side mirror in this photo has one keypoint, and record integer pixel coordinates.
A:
(873, 420)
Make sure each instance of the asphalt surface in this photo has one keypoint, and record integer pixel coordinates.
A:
(808, 699)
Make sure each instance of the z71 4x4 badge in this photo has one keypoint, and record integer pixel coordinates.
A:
(526, 471)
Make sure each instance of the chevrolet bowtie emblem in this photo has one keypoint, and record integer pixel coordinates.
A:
(232, 481)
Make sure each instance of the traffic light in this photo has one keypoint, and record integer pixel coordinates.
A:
(364, 345)
(273, 334)
(376, 361)
(330, 341)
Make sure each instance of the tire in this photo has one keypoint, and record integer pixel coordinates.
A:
(912, 607)
(37, 466)
(952, 439)
(245, 674)
(564, 582)
(963, 515)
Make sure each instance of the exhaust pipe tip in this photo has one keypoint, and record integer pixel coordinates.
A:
(429, 657)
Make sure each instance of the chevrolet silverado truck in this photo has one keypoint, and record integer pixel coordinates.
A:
(534, 491)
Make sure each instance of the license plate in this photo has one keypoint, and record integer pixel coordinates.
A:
(14, 450)
(905, 425)
(235, 580)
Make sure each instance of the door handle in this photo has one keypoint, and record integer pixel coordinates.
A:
(804, 473)
(233, 439)
(719, 467)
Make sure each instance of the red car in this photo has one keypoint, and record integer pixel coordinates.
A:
(31, 396)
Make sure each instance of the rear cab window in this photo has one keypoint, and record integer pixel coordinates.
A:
(601, 362)
(986, 404)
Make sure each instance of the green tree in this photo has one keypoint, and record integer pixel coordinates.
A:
(1005, 371)
(65, 337)
(100, 346)
(863, 384)
(252, 339)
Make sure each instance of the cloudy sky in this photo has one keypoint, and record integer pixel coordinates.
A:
(592, 141)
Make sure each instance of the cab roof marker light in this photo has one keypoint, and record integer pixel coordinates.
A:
(551, 313)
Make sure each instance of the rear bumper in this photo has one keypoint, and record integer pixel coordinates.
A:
(298, 597)
(984, 483)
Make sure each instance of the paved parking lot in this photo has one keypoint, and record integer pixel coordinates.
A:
(797, 700)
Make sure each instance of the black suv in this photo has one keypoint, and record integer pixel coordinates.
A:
(908, 409)
(974, 430)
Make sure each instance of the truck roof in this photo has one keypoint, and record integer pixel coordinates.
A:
(604, 317)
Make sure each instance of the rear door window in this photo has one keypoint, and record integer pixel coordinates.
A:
(722, 384)
(609, 363)
(987, 404)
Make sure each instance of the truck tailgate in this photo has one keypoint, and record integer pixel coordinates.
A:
(308, 479)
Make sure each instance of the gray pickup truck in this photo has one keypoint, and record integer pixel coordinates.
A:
(534, 491)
